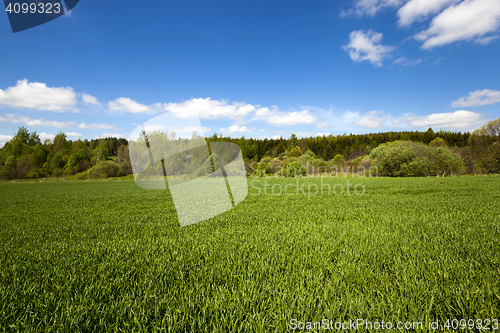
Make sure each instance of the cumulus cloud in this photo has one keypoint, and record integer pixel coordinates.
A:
(18, 119)
(190, 129)
(291, 118)
(265, 112)
(322, 125)
(370, 122)
(468, 20)
(43, 136)
(375, 112)
(372, 7)
(128, 105)
(184, 131)
(207, 108)
(403, 61)
(38, 96)
(110, 135)
(460, 119)
(96, 126)
(366, 46)
(4, 139)
(417, 10)
(231, 130)
(73, 135)
(478, 98)
(89, 99)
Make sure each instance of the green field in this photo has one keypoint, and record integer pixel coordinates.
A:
(109, 256)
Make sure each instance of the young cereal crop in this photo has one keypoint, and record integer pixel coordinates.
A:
(108, 256)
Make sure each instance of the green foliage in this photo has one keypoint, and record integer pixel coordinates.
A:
(356, 161)
(4, 174)
(310, 153)
(57, 162)
(60, 143)
(339, 161)
(295, 152)
(105, 169)
(82, 175)
(292, 169)
(409, 159)
(102, 155)
(266, 159)
(306, 157)
(438, 142)
(35, 174)
(491, 129)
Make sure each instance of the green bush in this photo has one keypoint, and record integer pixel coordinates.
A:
(292, 169)
(82, 175)
(4, 174)
(34, 174)
(106, 169)
(410, 159)
(338, 160)
(295, 152)
(57, 172)
(306, 157)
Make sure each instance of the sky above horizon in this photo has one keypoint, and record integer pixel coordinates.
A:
(260, 68)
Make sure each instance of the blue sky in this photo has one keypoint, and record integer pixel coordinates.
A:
(255, 68)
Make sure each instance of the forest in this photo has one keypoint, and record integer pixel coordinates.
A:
(408, 153)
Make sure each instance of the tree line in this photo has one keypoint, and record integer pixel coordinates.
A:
(407, 153)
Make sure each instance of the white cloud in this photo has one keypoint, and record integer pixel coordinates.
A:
(18, 119)
(322, 125)
(478, 98)
(90, 99)
(395, 122)
(403, 61)
(485, 40)
(128, 105)
(44, 136)
(323, 134)
(231, 130)
(96, 126)
(302, 134)
(375, 112)
(73, 135)
(366, 46)
(184, 132)
(471, 19)
(372, 7)
(190, 129)
(460, 119)
(417, 10)
(4, 139)
(156, 127)
(38, 96)
(370, 122)
(110, 135)
(207, 108)
(269, 137)
(265, 112)
(291, 118)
